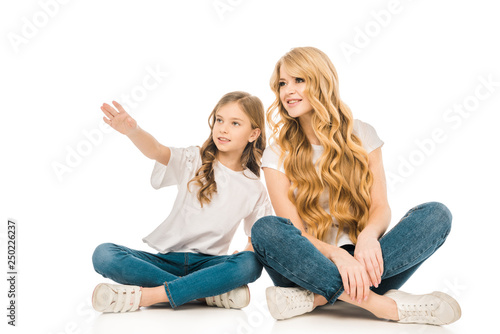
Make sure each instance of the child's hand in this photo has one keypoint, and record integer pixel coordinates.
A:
(118, 119)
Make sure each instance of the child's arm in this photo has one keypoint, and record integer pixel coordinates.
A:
(121, 121)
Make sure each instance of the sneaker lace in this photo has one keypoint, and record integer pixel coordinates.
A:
(298, 298)
(418, 311)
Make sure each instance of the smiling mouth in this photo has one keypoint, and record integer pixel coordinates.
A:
(222, 139)
(293, 102)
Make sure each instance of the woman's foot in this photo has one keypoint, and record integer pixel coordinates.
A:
(237, 298)
(116, 298)
(436, 308)
(284, 303)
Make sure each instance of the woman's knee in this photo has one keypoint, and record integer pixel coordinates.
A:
(433, 220)
(268, 228)
(440, 216)
(260, 227)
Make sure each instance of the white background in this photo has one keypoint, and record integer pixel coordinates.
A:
(416, 63)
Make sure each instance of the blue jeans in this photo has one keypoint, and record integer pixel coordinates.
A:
(292, 260)
(186, 276)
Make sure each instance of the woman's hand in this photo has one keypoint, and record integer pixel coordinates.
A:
(354, 276)
(369, 254)
(119, 119)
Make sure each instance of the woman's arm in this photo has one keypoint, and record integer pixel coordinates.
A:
(277, 186)
(354, 277)
(368, 250)
(121, 121)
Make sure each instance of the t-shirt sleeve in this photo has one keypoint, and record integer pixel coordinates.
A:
(271, 158)
(368, 136)
(183, 163)
(262, 208)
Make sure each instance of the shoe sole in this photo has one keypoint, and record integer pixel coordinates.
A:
(247, 294)
(97, 303)
(271, 303)
(453, 304)
(247, 290)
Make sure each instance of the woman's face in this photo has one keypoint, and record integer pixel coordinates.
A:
(293, 95)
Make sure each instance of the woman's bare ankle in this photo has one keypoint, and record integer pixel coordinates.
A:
(319, 300)
(380, 306)
(391, 311)
(386, 308)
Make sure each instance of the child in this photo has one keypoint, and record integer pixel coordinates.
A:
(218, 186)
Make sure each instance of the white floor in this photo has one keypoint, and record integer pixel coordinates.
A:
(55, 298)
(340, 318)
(60, 303)
(198, 318)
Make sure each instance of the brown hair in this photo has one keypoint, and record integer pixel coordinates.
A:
(252, 154)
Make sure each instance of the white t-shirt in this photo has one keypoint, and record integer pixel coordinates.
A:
(370, 140)
(207, 230)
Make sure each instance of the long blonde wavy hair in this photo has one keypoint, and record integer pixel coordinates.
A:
(250, 158)
(342, 169)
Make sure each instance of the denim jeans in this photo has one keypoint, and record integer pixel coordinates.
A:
(292, 260)
(186, 276)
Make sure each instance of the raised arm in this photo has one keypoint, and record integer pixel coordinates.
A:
(122, 122)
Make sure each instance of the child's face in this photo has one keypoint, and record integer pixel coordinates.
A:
(293, 95)
(232, 129)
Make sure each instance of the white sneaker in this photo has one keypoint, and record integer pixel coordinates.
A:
(284, 303)
(116, 298)
(436, 308)
(237, 298)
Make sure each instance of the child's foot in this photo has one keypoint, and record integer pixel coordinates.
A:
(237, 298)
(436, 308)
(284, 303)
(116, 298)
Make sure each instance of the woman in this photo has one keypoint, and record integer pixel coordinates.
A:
(326, 182)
